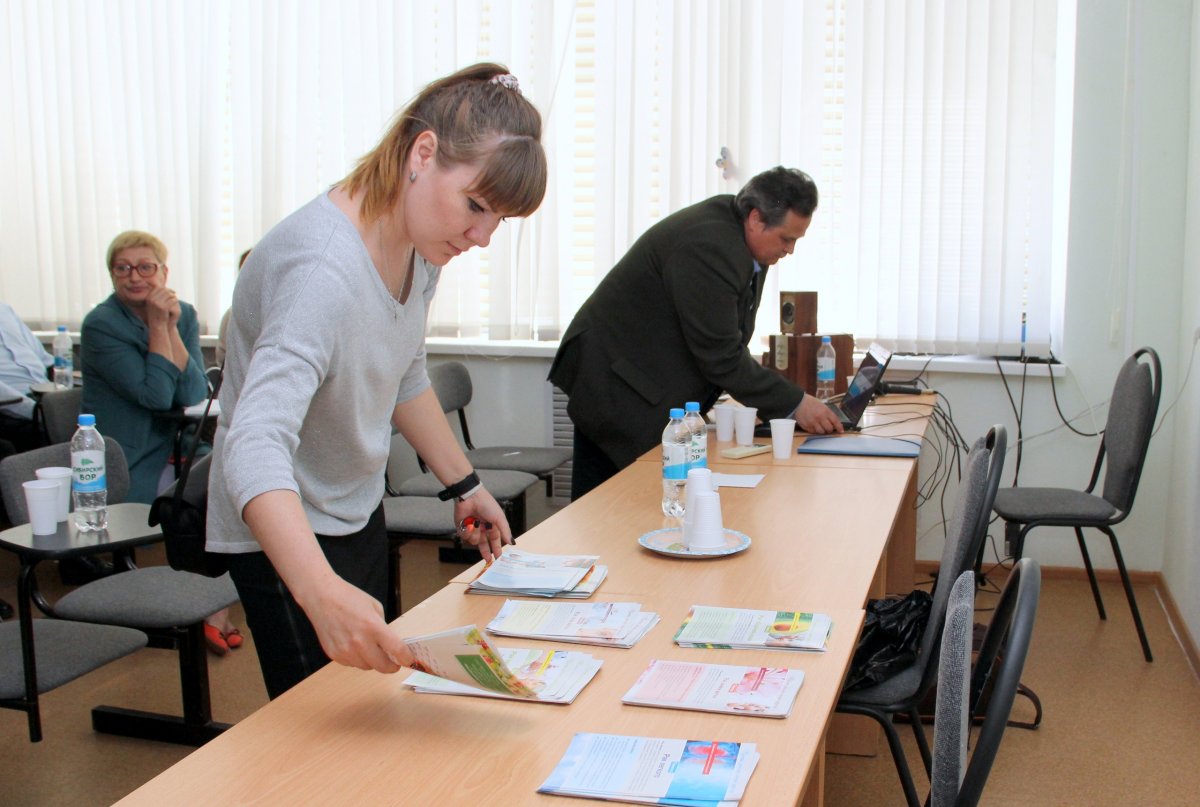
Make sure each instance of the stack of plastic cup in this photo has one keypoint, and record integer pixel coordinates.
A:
(702, 527)
(699, 480)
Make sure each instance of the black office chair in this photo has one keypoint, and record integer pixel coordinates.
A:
(997, 671)
(1122, 453)
(452, 383)
(169, 606)
(903, 692)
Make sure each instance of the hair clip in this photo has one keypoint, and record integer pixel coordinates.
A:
(506, 80)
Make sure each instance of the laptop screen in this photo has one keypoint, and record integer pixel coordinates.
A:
(862, 387)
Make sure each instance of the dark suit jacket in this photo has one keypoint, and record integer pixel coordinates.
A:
(669, 324)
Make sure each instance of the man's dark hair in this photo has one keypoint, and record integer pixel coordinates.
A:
(776, 191)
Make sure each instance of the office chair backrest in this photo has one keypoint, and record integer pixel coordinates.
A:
(22, 467)
(951, 724)
(1000, 661)
(1130, 422)
(452, 384)
(964, 532)
(60, 413)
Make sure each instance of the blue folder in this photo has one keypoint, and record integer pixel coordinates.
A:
(861, 445)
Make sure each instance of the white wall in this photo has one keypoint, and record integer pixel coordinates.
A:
(1181, 555)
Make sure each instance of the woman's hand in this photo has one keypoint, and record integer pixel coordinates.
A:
(349, 623)
(162, 304)
(490, 531)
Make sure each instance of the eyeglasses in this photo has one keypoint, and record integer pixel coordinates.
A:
(143, 269)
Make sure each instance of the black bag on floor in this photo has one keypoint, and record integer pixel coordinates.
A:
(890, 638)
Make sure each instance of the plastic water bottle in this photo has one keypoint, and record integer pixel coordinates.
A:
(64, 359)
(676, 445)
(89, 484)
(826, 369)
(698, 434)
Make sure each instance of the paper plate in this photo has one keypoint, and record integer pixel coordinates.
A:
(669, 541)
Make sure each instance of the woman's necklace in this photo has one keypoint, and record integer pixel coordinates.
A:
(400, 294)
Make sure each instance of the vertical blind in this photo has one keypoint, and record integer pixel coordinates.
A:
(927, 125)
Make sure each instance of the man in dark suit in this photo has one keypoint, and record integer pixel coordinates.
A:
(670, 323)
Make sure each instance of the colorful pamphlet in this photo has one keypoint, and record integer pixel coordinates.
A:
(612, 624)
(710, 626)
(652, 770)
(464, 656)
(556, 676)
(754, 691)
(530, 574)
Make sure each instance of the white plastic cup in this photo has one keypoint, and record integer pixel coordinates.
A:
(782, 430)
(699, 480)
(63, 477)
(724, 422)
(743, 422)
(41, 497)
(703, 529)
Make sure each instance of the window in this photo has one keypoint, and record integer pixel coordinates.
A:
(928, 127)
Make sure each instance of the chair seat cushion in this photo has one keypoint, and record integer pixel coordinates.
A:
(64, 651)
(419, 515)
(153, 597)
(535, 460)
(503, 485)
(899, 687)
(1062, 505)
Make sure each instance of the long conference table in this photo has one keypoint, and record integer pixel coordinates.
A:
(827, 532)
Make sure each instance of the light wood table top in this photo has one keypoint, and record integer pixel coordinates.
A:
(819, 531)
(346, 736)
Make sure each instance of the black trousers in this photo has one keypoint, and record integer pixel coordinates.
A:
(287, 644)
(590, 466)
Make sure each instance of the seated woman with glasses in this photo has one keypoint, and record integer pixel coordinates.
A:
(141, 360)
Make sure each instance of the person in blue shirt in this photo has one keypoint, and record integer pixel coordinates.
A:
(23, 362)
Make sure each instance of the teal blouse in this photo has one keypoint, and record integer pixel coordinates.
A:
(131, 391)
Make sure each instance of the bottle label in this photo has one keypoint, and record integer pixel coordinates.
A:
(87, 472)
(698, 453)
(825, 370)
(781, 352)
(675, 461)
(61, 362)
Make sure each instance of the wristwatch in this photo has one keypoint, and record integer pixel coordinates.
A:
(465, 488)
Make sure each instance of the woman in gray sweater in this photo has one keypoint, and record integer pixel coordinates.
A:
(326, 353)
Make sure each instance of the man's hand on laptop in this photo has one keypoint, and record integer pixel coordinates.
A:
(815, 417)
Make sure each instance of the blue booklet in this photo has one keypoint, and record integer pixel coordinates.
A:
(652, 770)
(867, 445)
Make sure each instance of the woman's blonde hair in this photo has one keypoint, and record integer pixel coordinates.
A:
(135, 238)
(475, 119)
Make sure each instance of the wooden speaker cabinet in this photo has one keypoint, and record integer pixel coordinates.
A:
(798, 312)
(795, 356)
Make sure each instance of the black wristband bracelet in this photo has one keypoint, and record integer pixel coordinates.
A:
(468, 482)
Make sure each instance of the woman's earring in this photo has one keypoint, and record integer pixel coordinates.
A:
(412, 177)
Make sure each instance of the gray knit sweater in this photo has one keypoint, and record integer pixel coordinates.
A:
(319, 353)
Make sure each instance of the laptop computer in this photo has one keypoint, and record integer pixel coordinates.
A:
(850, 406)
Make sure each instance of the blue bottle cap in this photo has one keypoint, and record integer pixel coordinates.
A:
(62, 328)
(87, 420)
(825, 339)
(692, 406)
(676, 412)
